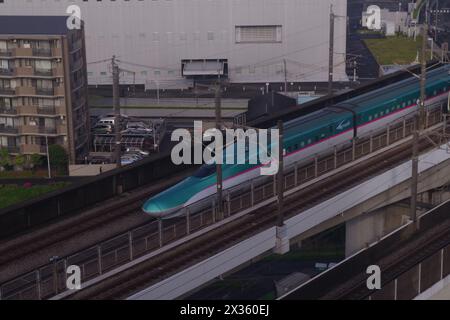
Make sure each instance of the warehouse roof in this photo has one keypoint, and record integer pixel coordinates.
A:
(35, 25)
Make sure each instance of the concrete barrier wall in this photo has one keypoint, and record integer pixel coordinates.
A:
(82, 194)
(357, 264)
(361, 193)
(205, 271)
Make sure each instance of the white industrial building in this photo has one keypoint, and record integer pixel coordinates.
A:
(168, 43)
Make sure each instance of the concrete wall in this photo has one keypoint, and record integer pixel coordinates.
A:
(161, 33)
(207, 270)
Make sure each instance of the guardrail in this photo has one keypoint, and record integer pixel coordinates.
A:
(50, 280)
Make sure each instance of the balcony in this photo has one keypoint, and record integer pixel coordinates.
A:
(8, 129)
(42, 52)
(57, 52)
(5, 53)
(23, 71)
(58, 71)
(25, 91)
(27, 129)
(7, 91)
(46, 110)
(61, 129)
(45, 91)
(22, 52)
(60, 91)
(32, 148)
(12, 149)
(43, 72)
(11, 110)
(6, 72)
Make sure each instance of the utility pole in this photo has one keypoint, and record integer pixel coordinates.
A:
(48, 158)
(218, 101)
(280, 176)
(116, 105)
(331, 57)
(285, 76)
(419, 124)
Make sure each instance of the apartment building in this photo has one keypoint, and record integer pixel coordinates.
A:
(43, 86)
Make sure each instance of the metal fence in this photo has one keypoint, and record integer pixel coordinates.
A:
(50, 280)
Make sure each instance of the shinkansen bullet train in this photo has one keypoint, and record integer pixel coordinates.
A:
(310, 135)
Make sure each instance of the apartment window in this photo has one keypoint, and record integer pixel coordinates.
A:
(258, 34)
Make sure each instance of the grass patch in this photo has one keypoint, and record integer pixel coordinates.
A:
(12, 194)
(395, 50)
(23, 174)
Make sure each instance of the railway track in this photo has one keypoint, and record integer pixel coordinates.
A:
(403, 259)
(98, 219)
(162, 266)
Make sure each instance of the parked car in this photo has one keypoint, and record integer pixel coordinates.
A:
(137, 151)
(138, 132)
(103, 129)
(137, 125)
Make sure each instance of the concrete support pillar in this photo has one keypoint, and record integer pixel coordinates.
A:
(370, 227)
(282, 242)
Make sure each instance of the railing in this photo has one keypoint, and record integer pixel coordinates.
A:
(7, 91)
(3, 110)
(50, 279)
(45, 91)
(44, 73)
(6, 72)
(46, 130)
(8, 129)
(42, 52)
(12, 149)
(5, 53)
(48, 110)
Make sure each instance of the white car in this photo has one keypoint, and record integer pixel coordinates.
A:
(138, 151)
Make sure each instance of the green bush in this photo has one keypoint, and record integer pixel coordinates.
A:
(59, 159)
(5, 159)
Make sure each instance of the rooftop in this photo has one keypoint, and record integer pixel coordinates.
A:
(34, 25)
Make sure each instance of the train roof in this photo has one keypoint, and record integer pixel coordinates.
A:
(376, 97)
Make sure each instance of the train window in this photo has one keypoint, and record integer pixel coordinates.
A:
(392, 109)
(370, 118)
(205, 171)
(302, 144)
(296, 147)
(375, 116)
(309, 141)
(381, 113)
(409, 102)
(404, 104)
(387, 111)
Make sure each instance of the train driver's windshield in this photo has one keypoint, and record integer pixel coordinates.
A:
(205, 171)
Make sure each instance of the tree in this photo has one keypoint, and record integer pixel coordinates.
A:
(36, 160)
(19, 161)
(5, 159)
(59, 159)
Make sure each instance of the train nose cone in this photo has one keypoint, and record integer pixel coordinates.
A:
(152, 208)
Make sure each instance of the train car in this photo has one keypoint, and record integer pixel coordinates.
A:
(309, 135)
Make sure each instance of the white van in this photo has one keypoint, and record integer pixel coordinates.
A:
(109, 121)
